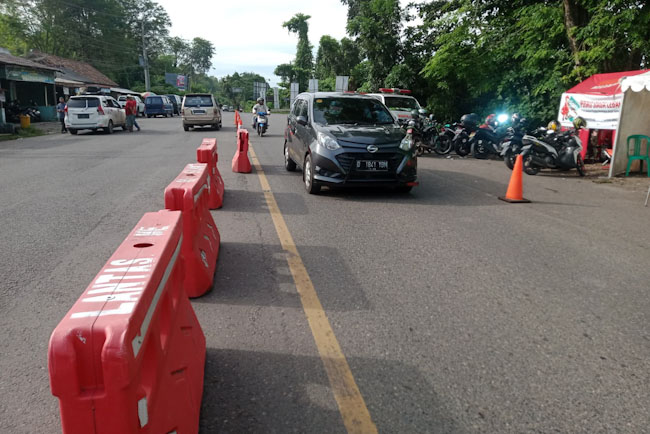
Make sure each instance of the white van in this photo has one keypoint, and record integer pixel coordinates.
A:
(93, 112)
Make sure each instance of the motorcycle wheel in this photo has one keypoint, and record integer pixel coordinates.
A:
(259, 130)
(480, 151)
(529, 167)
(461, 147)
(419, 150)
(509, 159)
(580, 166)
(443, 145)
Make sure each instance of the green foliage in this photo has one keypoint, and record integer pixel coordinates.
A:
(304, 63)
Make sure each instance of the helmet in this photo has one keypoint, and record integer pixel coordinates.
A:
(579, 123)
(471, 119)
(515, 118)
(491, 120)
(415, 114)
(260, 100)
(553, 126)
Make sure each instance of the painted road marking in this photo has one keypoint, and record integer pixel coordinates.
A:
(352, 407)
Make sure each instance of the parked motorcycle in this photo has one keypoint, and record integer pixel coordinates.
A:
(555, 151)
(468, 124)
(444, 140)
(261, 123)
(512, 143)
(423, 131)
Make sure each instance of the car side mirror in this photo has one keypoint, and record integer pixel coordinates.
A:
(302, 120)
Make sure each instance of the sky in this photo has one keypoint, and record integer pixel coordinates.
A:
(248, 35)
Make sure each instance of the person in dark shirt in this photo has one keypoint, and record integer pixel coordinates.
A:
(60, 109)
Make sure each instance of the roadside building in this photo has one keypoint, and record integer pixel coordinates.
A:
(74, 76)
(28, 82)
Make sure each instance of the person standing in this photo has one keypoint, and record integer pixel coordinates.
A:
(60, 109)
(131, 109)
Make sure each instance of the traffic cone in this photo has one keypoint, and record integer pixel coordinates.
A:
(516, 187)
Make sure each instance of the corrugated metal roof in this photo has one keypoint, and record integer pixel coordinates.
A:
(84, 71)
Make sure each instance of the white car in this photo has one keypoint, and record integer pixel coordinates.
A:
(399, 102)
(122, 100)
(93, 112)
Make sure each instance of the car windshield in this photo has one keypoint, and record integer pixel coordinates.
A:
(198, 101)
(342, 110)
(154, 100)
(401, 103)
(83, 102)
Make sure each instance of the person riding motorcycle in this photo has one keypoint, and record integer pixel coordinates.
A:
(260, 107)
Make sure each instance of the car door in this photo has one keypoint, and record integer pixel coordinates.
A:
(303, 131)
(120, 113)
(293, 140)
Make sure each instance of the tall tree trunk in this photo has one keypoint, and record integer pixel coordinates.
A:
(570, 25)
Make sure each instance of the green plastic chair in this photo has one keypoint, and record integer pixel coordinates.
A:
(636, 140)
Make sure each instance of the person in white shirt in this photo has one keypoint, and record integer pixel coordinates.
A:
(260, 107)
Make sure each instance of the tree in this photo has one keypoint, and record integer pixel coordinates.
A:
(303, 64)
(179, 48)
(328, 57)
(376, 24)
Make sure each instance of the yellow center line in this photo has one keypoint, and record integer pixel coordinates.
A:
(352, 407)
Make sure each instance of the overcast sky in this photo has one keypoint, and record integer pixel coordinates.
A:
(248, 35)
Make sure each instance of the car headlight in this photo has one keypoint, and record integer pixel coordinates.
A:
(406, 143)
(328, 142)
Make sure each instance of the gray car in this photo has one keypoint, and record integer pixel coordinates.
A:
(343, 139)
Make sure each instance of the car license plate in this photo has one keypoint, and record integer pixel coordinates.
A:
(372, 165)
(86, 116)
(198, 112)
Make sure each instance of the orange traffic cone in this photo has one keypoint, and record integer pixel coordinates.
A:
(515, 187)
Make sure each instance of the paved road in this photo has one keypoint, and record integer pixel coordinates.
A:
(456, 312)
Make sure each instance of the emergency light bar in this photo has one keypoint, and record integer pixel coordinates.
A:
(395, 90)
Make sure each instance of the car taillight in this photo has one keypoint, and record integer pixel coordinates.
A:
(100, 110)
(215, 110)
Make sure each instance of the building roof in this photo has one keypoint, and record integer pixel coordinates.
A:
(604, 84)
(9, 59)
(74, 69)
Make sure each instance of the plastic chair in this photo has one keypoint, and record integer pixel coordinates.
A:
(636, 141)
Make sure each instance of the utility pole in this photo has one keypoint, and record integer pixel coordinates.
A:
(147, 85)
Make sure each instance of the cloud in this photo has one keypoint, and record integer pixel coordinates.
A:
(248, 35)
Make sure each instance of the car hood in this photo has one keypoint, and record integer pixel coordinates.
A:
(364, 135)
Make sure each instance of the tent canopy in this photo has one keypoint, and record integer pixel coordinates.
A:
(604, 84)
(634, 119)
(597, 100)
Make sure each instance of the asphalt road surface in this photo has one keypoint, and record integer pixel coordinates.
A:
(456, 312)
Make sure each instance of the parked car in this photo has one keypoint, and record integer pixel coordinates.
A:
(342, 139)
(200, 109)
(122, 100)
(176, 103)
(224, 108)
(399, 102)
(156, 105)
(93, 112)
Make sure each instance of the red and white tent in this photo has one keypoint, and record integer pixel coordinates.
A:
(597, 100)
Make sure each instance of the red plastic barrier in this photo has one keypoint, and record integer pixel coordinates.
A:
(189, 193)
(238, 121)
(207, 153)
(129, 356)
(240, 162)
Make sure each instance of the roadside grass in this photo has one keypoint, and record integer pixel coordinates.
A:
(23, 133)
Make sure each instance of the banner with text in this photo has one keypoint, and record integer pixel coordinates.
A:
(600, 112)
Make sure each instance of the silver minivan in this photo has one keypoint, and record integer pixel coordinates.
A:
(200, 109)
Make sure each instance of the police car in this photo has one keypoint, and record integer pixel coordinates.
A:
(399, 102)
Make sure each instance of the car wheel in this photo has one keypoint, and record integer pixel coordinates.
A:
(289, 164)
(109, 128)
(308, 176)
(73, 132)
(186, 128)
(149, 116)
(217, 126)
